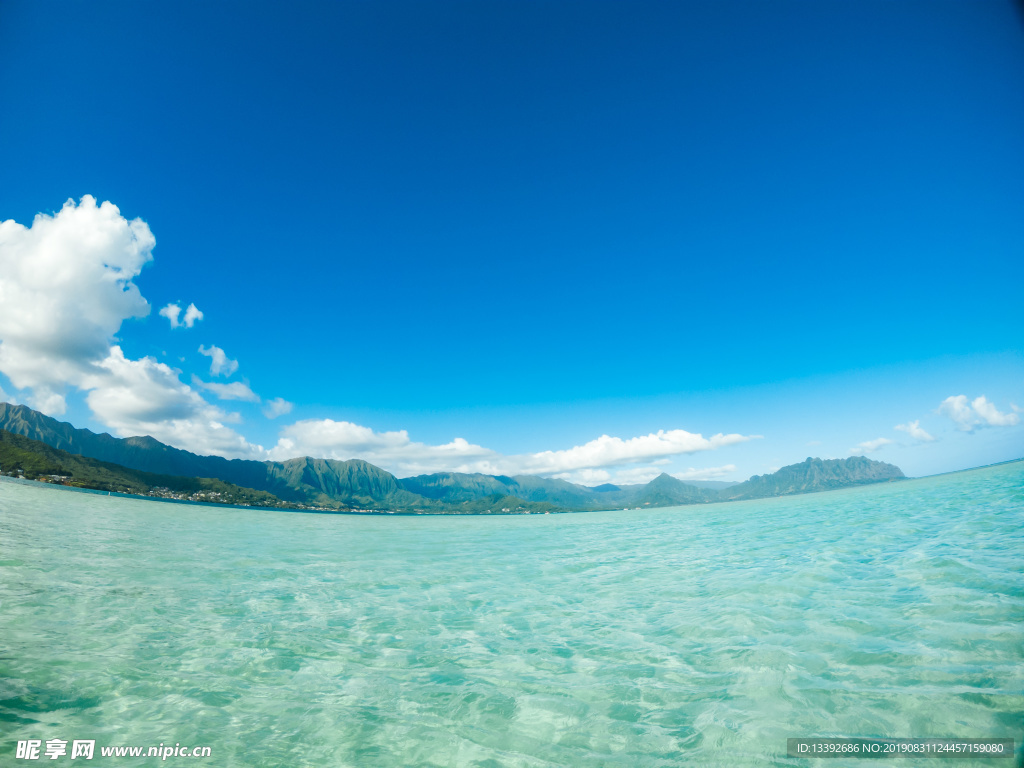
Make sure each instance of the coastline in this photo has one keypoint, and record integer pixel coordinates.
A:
(556, 511)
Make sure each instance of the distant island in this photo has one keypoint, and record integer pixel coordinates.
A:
(38, 447)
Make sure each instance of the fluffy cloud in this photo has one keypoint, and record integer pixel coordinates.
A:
(65, 288)
(913, 428)
(870, 446)
(608, 451)
(236, 390)
(395, 451)
(146, 397)
(276, 407)
(329, 439)
(957, 409)
(989, 414)
(173, 311)
(977, 413)
(220, 364)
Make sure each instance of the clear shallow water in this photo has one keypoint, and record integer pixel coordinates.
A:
(689, 636)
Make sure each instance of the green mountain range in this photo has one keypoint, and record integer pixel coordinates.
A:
(358, 485)
(21, 456)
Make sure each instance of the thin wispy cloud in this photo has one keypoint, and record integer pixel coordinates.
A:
(711, 473)
(594, 477)
(236, 390)
(220, 363)
(277, 407)
(641, 475)
(913, 428)
(870, 446)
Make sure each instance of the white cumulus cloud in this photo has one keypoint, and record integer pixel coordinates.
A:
(146, 397)
(65, 288)
(992, 417)
(173, 311)
(192, 315)
(220, 363)
(913, 428)
(607, 451)
(343, 440)
(870, 446)
(979, 412)
(277, 407)
(957, 408)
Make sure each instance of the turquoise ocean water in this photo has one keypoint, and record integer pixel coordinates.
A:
(700, 635)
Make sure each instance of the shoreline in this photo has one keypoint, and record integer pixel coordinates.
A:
(388, 513)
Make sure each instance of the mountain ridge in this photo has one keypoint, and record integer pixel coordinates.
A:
(34, 460)
(357, 484)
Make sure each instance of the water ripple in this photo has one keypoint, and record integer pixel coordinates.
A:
(689, 636)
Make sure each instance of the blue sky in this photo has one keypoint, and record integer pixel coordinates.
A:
(524, 226)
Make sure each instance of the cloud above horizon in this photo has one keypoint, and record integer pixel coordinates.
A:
(398, 453)
(236, 390)
(66, 285)
(277, 407)
(172, 311)
(146, 397)
(710, 473)
(870, 446)
(978, 413)
(913, 428)
(66, 288)
(343, 440)
(220, 363)
(606, 451)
